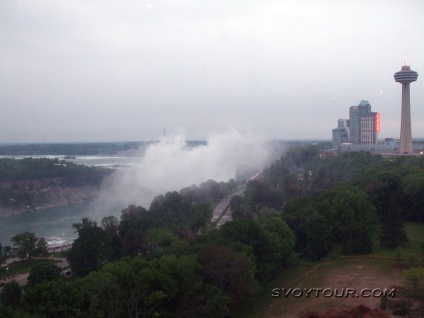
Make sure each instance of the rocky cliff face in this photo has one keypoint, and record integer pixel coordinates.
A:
(30, 195)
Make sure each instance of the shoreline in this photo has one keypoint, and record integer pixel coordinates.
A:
(8, 212)
(53, 223)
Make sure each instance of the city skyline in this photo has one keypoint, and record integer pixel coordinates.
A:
(73, 71)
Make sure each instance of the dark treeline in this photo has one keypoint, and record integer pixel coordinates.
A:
(170, 261)
(100, 148)
(69, 148)
(42, 168)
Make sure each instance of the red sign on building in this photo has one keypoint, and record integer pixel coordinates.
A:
(377, 122)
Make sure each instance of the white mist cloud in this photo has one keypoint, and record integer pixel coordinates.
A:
(171, 165)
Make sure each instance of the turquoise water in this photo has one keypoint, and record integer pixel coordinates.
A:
(54, 224)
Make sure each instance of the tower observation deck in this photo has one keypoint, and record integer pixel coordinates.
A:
(405, 76)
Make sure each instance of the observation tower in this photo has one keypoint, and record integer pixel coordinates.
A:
(405, 76)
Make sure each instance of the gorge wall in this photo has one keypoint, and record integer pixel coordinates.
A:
(31, 195)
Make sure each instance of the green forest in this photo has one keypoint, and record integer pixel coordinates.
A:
(171, 261)
(80, 149)
(44, 168)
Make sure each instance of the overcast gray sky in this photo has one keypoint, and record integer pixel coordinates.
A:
(101, 70)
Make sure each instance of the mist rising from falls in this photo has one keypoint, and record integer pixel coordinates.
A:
(171, 165)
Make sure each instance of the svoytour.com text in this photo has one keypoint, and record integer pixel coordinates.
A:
(333, 292)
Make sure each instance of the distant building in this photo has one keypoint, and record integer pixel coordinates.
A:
(363, 124)
(390, 142)
(341, 133)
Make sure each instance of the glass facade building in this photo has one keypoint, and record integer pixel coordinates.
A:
(363, 124)
(361, 128)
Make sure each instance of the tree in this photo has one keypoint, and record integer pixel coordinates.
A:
(319, 236)
(253, 237)
(90, 250)
(393, 232)
(258, 194)
(205, 300)
(41, 247)
(281, 239)
(200, 216)
(110, 224)
(7, 250)
(42, 272)
(232, 272)
(26, 243)
(413, 186)
(11, 294)
(163, 241)
(240, 209)
(9, 312)
(356, 220)
(130, 287)
(313, 221)
(84, 224)
(54, 298)
(298, 214)
(381, 185)
(135, 221)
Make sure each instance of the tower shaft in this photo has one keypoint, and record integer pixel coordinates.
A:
(405, 124)
(405, 76)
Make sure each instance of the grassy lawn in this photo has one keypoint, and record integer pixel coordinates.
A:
(23, 266)
(374, 271)
(59, 254)
(412, 251)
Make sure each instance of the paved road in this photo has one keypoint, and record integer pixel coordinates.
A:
(222, 211)
(222, 206)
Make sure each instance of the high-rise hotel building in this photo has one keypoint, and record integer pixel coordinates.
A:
(363, 124)
(361, 128)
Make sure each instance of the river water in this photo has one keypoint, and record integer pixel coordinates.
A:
(55, 224)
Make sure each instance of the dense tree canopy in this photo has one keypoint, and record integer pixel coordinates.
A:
(11, 294)
(170, 261)
(43, 272)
